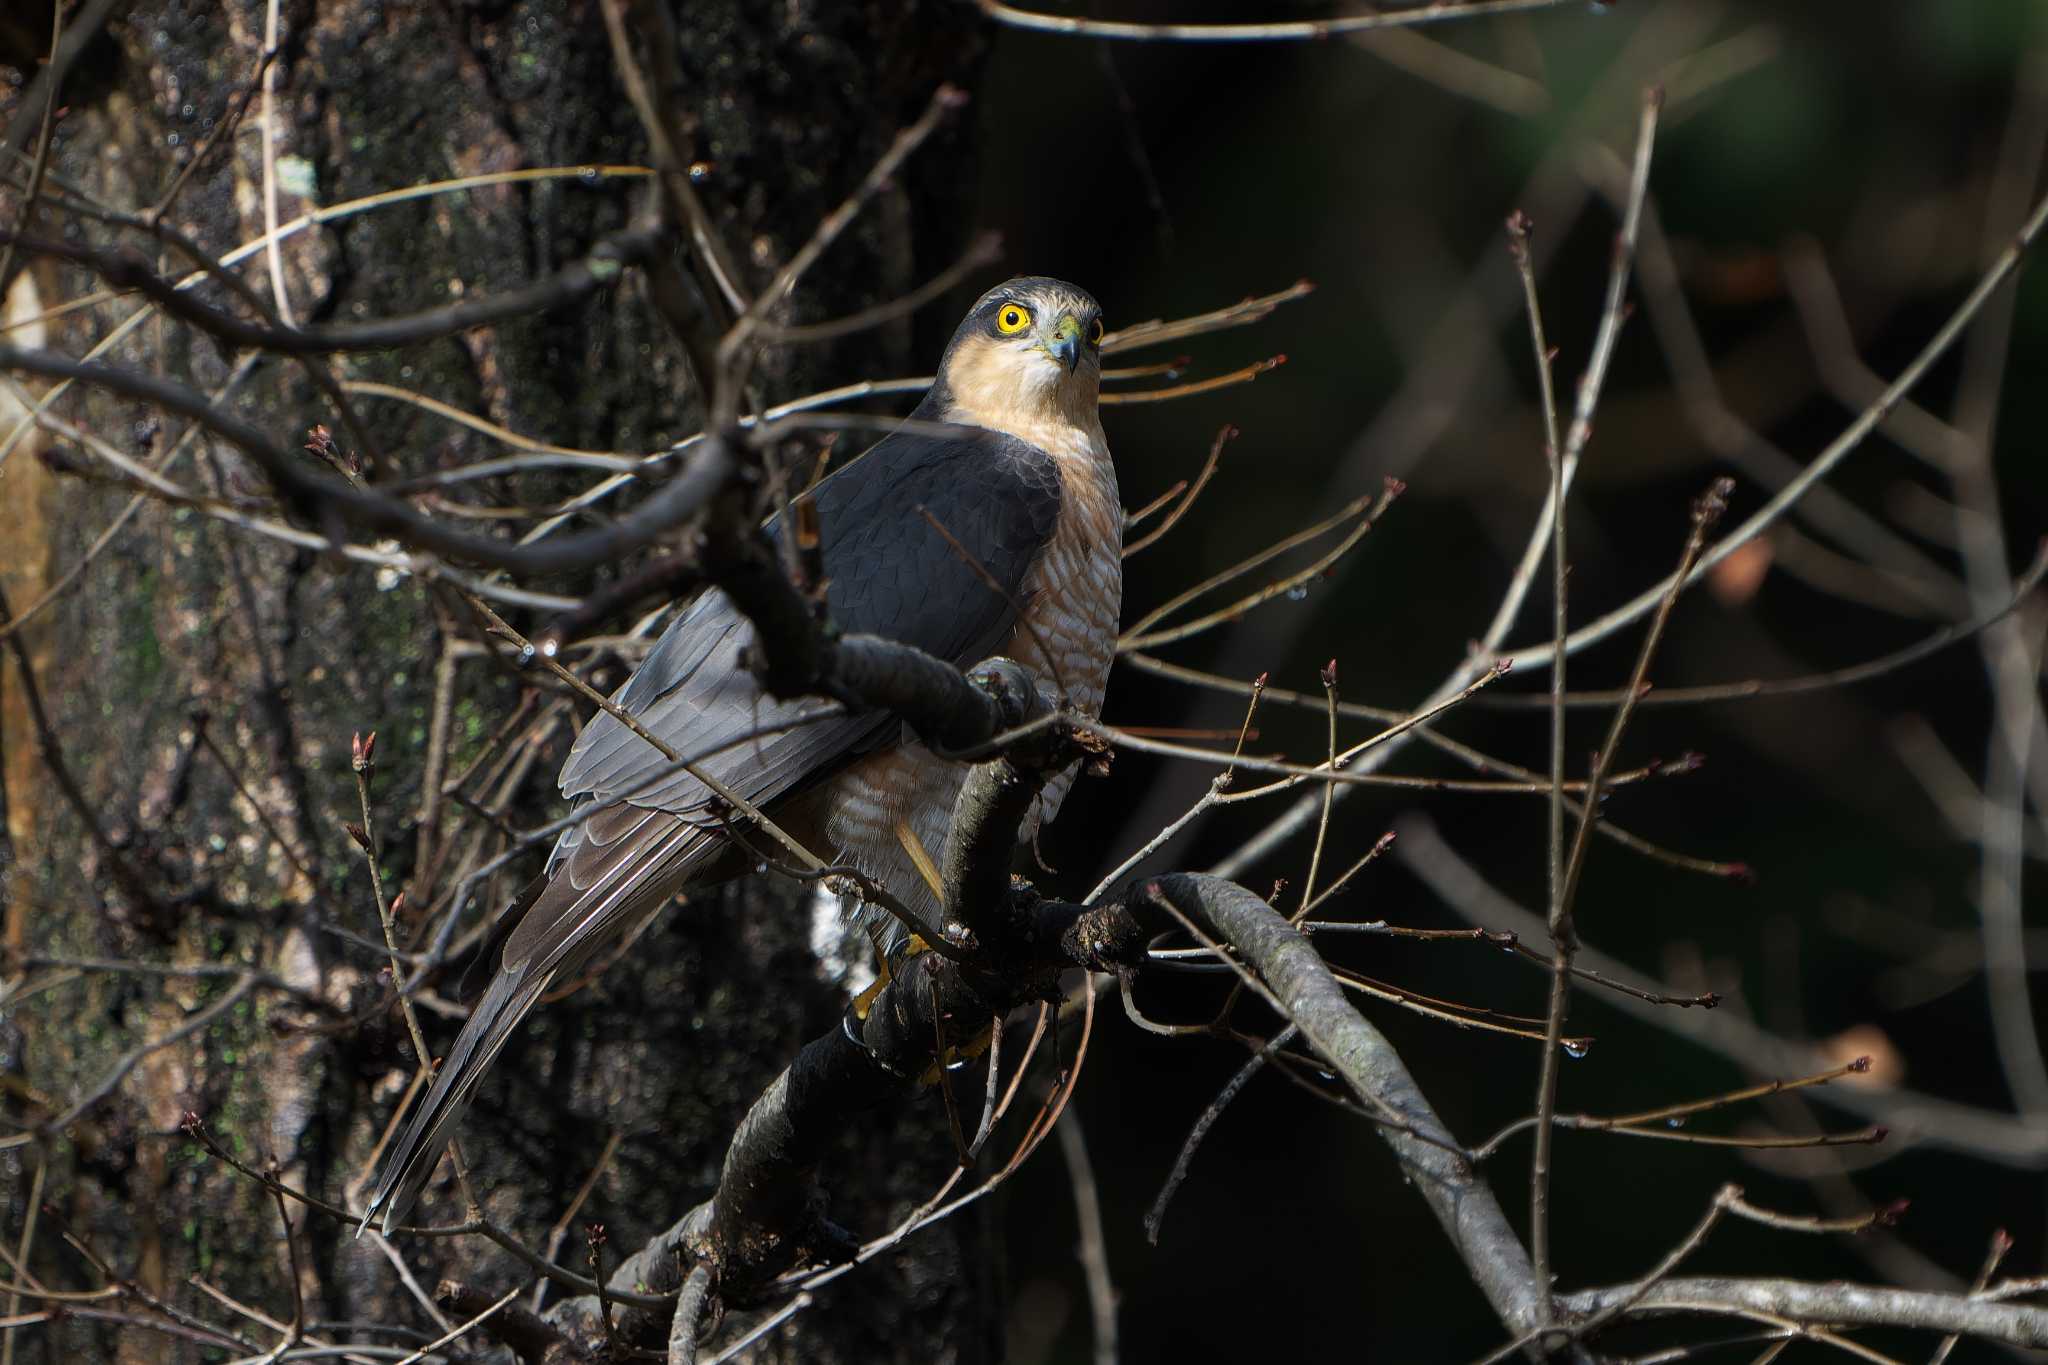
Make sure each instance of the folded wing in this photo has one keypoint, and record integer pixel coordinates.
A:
(890, 571)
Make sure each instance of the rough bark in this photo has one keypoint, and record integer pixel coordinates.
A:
(286, 654)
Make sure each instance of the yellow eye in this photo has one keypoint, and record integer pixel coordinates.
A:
(1012, 319)
(1095, 333)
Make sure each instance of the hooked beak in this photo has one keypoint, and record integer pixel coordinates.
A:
(1064, 345)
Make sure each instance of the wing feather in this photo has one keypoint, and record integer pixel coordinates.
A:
(890, 573)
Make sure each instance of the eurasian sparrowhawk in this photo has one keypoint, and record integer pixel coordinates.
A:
(1024, 485)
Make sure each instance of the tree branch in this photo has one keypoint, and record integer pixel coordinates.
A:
(127, 268)
(710, 466)
(1361, 1054)
(1836, 1303)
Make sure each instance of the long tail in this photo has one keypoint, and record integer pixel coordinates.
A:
(510, 996)
(619, 872)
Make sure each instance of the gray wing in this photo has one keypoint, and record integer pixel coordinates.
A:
(889, 573)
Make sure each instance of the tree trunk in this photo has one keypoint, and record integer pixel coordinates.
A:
(184, 624)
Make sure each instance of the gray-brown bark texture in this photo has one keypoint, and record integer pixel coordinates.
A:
(280, 655)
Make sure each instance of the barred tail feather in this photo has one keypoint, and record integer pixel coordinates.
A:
(617, 870)
(512, 994)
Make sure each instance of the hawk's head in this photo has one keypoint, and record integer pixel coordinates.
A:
(1029, 353)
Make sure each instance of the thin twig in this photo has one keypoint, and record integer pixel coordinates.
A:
(1563, 930)
(732, 348)
(1563, 933)
(984, 249)
(1142, 635)
(560, 1231)
(362, 759)
(296, 1332)
(32, 1212)
(2001, 1243)
(1661, 1271)
(1561, 942)
(28, 210)
(118, 1072)
(461, 1330)
(1315, 857)
(1706, 512)
(202, 730)
(1094, 1247)
(1244, 374)
(1300, 30)
(1194, 490)
(1914, 1118)
(1824, 464)
(2022, 588)
(1240, 314)
(1412, 723)
(1673, 1116)
(1155, 1215)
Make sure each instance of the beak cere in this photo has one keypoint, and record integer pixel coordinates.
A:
(1064, 345)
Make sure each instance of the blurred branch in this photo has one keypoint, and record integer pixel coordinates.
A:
(41, 93)
(1825, 463)
(1458, 72)
(1913, 1118)
(737, 348)
(2009, 648)
(1288, 31)
(985, 249)
(1094, 1248)
(1434, 387)
(685, 493)
(2022, 589)
(26, 216)
(50, 749)
(127, 1062)
(1729, 436)
(1818, 306)
(128, 269)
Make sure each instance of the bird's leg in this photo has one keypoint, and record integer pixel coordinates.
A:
(883, 973)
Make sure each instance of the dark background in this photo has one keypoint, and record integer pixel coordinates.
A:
(1872, 130)
(1166, 179)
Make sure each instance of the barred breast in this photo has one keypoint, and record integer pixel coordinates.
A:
(1067, 637)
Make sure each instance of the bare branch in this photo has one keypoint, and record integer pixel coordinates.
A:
(710, 466)
(1837, 1303)
(1823, 464)
(1312, 999)
(1301, 30)
(127, 268)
